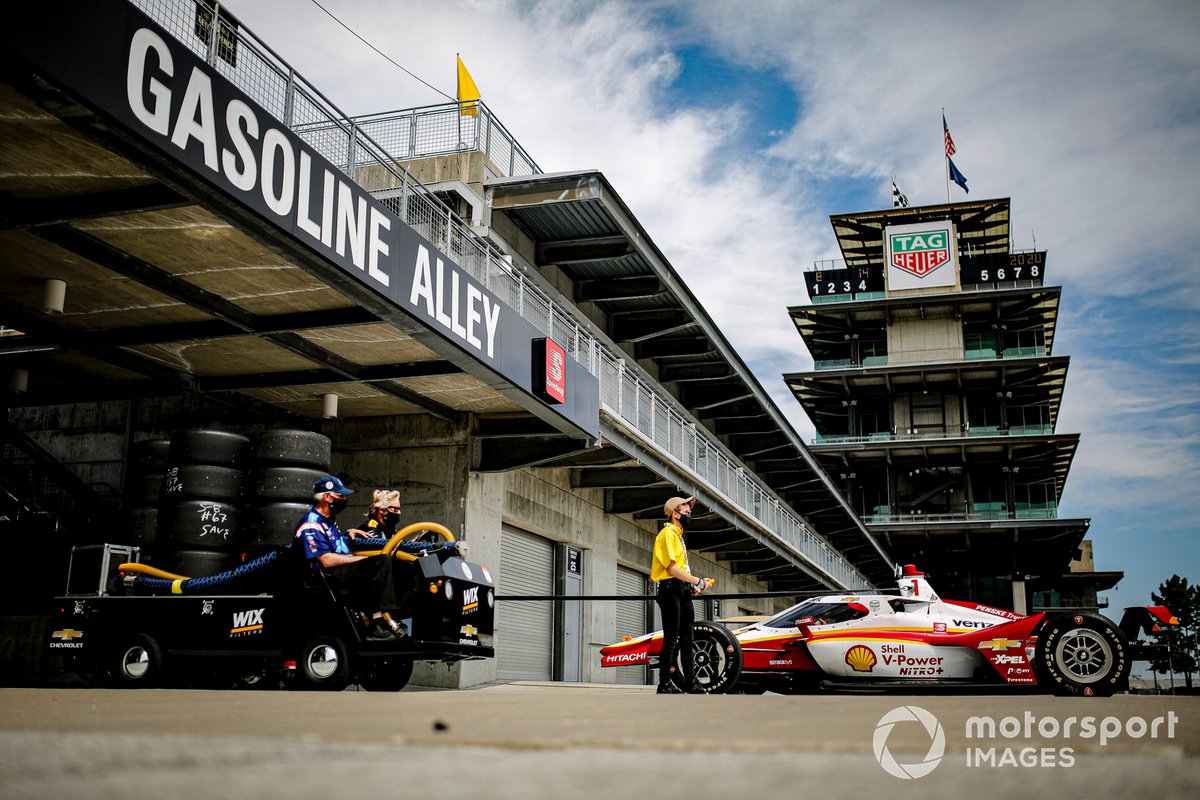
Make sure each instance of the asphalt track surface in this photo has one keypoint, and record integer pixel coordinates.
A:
(544, 740)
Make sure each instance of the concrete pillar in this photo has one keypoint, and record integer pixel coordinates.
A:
(1018, 593)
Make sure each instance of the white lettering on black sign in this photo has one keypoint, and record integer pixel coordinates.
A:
(289, 181)
(467, 315)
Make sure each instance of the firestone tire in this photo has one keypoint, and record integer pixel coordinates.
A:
(297, 448)
(199, 524)
(201, 482)
(135, 662)
(324, 665)
(387, 674)
(143, 527)
(287, 484)
(195, 563)
(1083, 655)
(274, 524)
(716, 658)
(218, 448)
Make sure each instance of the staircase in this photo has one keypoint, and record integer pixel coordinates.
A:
(45, 509)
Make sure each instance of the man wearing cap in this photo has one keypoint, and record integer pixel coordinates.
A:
(675, 588)
(365, 581)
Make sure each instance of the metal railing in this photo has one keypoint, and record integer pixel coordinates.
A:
(627, 397)
(888, 436)
(1048, 512)
(827, 265)
(443, 129)
(252, 66)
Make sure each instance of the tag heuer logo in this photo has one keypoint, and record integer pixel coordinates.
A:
(920, 253)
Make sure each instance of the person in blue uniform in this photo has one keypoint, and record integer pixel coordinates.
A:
(366, 582)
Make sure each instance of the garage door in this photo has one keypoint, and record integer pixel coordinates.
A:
(631, 619)
(525, 630)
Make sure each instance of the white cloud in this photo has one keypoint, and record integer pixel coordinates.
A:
(1085, 113)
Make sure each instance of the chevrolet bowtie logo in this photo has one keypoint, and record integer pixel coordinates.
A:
(999, 644)
(67, 634)
(468, 630)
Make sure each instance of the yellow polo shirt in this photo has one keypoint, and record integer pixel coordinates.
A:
(668, 550)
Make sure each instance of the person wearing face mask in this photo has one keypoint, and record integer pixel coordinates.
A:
(675, 587)
(382, 516)
(366, 582)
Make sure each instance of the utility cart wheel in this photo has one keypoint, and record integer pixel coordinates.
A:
(135, 662)
(323, 665)
(386, 674)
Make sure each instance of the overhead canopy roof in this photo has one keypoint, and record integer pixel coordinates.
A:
(1019, 309)
(1040, 458)
(982, 228)
(165, 294)
(1033, 380)
(1019, 548)
(591, 248)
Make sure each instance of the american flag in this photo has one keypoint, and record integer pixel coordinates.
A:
(950, 148)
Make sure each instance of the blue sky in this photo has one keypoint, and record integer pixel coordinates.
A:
(734, 128)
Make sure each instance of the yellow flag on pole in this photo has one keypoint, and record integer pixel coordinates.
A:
(468, 93)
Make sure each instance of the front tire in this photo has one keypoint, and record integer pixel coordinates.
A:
(716, 659)
(324, 665)
(1083, 655)
(135, 663)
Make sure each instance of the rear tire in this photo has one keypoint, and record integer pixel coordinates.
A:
(716, 658)
(387, 674)
(323, 665)
(1081, 654)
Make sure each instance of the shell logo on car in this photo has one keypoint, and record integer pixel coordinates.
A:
(861, 658)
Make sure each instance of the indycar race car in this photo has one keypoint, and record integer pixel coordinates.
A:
(270, 621)
(908, 640)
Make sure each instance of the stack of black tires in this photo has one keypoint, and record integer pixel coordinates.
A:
(199, 513)
(286, 465)
(204, 501)
(143, 490)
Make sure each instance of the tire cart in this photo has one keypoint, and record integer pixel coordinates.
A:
(270, 621)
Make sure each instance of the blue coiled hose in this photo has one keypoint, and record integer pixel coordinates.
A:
(213, 584)
(143, 584)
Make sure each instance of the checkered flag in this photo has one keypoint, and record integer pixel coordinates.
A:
(899, 199)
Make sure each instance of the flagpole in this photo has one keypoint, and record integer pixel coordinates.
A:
(945, 155)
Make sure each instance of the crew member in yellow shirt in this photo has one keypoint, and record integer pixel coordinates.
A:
(675, 587)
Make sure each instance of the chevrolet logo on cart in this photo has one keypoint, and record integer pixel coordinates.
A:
(63, 639)
(996, 645)
(468, 630)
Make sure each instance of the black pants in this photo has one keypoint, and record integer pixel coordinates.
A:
(675, 604)
(367, 585)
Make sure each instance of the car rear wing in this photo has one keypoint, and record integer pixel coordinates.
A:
(1149, 620)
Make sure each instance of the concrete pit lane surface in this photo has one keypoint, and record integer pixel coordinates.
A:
(544, 740)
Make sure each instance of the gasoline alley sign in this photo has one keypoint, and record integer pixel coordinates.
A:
(118, 61)
(920, 255)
